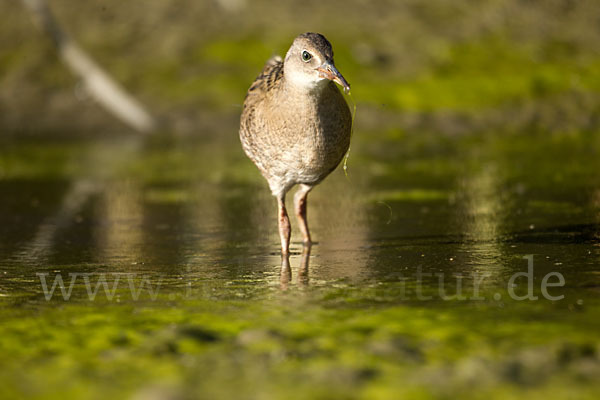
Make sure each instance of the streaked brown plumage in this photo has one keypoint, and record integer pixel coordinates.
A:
(295, 125)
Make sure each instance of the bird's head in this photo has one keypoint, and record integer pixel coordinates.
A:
(309, 63)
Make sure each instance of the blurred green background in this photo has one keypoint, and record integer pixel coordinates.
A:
(449, 66)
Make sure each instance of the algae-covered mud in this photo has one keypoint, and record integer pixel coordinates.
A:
(444, 267)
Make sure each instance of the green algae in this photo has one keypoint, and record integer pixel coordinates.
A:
(325, 348)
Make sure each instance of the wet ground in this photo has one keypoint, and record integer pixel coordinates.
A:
(443, 265)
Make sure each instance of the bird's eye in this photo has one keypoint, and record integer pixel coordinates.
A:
(306, 56)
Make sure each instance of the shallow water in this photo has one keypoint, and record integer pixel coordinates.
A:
(199, 208)
(432, 224)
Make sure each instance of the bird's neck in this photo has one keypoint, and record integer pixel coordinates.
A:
(301, 88)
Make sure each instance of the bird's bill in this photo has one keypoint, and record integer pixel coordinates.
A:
(329, 71)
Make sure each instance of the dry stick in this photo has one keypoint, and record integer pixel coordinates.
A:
(97, 82)
(110, 95)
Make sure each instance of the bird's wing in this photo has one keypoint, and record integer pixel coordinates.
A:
(252, 124)
(270, 76)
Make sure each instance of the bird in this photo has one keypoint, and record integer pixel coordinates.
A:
(296, 125)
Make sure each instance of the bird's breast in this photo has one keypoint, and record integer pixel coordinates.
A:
(298, 136)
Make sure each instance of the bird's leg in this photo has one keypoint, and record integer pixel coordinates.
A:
(284, 226)
(300, 199)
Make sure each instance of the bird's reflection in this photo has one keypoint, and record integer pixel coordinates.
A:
(286, 271)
